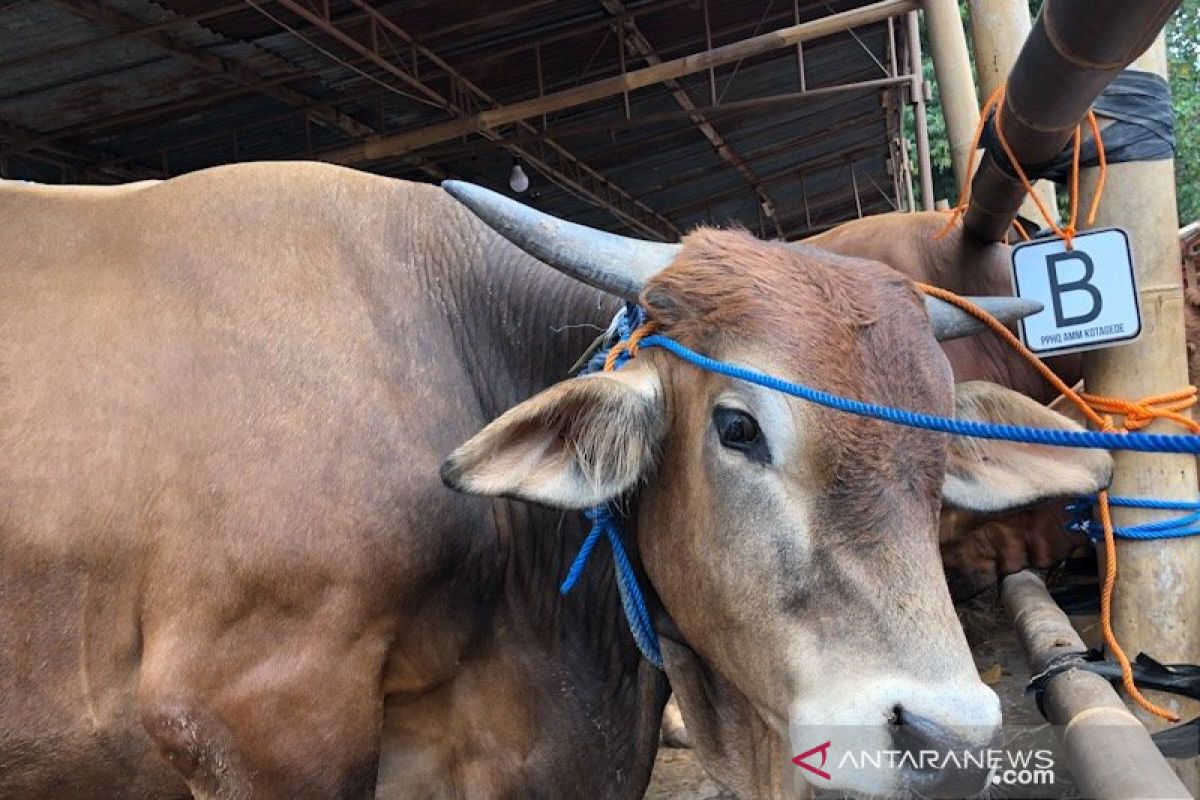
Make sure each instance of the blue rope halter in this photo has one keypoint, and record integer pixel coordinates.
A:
(604, 520)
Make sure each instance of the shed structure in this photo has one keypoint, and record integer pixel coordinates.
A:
(784, 139)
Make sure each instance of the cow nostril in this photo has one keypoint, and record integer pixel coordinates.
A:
(942, 760)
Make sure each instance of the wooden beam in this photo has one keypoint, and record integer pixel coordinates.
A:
(731, 109)
(489, 120)
(321, 113)
(551, 159)
(633, 38)
(956, 86)
(1157, 599)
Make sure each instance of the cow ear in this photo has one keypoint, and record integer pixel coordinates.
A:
(575, 445)
(988, 475)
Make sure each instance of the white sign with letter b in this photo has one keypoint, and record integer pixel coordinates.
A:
(1089, 295)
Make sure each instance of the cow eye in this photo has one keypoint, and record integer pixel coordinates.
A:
(738, 430)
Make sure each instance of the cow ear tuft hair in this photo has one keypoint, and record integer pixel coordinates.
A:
(579, 443)
(988, 475)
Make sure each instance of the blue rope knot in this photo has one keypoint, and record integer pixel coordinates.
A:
(1082, 519)
(604, 520)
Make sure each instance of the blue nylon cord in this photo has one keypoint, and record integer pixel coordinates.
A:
(1149, 502)
(1138, 442)
(1083, 521)
(604, 522)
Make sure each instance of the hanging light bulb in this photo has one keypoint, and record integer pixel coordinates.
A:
(518, 181)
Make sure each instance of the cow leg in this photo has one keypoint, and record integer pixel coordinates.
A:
(674, 732)
(287, 719)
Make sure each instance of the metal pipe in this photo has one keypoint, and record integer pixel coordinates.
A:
(1110, 753)
(1083, 44)
(490, 119)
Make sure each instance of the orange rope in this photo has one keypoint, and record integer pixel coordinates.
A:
(964, 194)
(1137, 415)
(1067, 233)
(629, 345)
(1140, 413)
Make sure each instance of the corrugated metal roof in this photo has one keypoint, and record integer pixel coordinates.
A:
(128, 88)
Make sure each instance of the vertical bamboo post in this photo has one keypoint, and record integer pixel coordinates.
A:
(1157, 601)
(998, 30)
(956, 86)
(917, 98)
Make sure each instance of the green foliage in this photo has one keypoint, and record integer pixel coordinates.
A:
(1183, 51)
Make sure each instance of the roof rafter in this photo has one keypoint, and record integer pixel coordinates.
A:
(550, 158)
(493, 118)
(319, 112)
(66, 155)
(635, 40)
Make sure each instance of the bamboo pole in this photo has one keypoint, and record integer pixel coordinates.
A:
(956, 87)
(998, 29)
(491, 119)
(1156, 606)
(920, 120)
(1110, 753)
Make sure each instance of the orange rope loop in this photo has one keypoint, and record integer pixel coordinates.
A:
(964, 194)
(1140, 413)
(1137, 415)
(629, 345)
(1067, 232)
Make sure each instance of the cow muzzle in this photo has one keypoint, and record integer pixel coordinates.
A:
(893, 735)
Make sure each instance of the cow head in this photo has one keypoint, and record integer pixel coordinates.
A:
(793, 548)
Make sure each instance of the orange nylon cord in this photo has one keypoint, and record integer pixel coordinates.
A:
(1137, 415)
(1067, 233)
(964, 194)
(630, 344)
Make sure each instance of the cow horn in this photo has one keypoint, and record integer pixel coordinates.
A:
(621, 266)
(951, 322)
(616, 264)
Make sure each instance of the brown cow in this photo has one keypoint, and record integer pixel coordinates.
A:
(227, 567)
(977, 549)
(812, 512)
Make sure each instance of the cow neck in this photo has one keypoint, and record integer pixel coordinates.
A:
(528, 327)
(523, 325)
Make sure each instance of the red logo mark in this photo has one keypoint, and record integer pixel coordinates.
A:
(823, 749)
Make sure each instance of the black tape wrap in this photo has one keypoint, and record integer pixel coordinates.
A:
(1142, 128)
(1181, 741)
